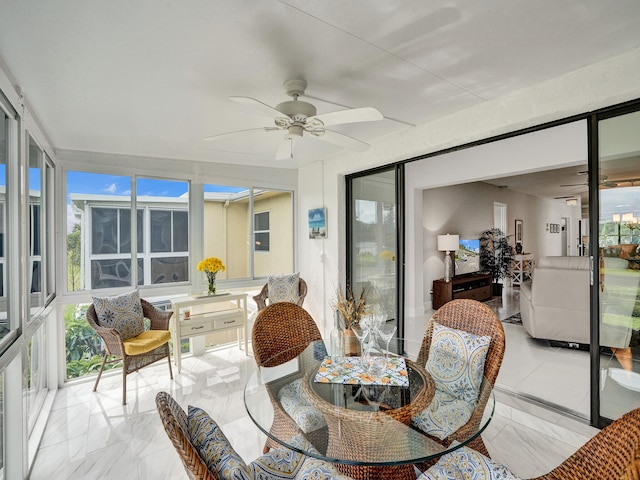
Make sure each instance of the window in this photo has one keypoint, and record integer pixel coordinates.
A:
(166, 210)
(100, 224)
(261, 231)
(8, 141)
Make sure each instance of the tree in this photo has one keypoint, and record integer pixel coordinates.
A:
(496, 254)
(73, 258)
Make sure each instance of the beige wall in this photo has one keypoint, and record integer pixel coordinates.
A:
(232, 244)
(279, 259)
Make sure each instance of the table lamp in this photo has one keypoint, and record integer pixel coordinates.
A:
(448, 243)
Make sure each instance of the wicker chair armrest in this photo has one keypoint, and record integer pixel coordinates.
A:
(261, 298)
(159, 319)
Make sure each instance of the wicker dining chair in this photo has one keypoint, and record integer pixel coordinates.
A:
(612, 454)
(477, 318)
(281, 332)
(175, 424)
(149, 347)
(263, 296)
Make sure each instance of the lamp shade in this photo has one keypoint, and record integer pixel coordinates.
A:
(448, 243)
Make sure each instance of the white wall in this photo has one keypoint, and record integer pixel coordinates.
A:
(606, 83)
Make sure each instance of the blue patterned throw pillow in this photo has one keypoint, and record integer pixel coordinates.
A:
(284, 288)
(214, 448)
(122, 312)
(456, 361)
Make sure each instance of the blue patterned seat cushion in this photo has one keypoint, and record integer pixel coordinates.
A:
(283, 463)
(444, 415)
(307, 417)
(456, 361)
(467, 464)
(284, 288)
(280, 463)
(122, 312)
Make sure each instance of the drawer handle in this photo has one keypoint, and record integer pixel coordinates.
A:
(231, 321)
(197, 328)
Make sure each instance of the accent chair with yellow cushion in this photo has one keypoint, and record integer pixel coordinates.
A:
(119, 320)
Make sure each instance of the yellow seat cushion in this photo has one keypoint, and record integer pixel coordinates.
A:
(146, 341)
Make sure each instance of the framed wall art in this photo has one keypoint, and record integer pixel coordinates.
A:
(519, 224)
(318, 223)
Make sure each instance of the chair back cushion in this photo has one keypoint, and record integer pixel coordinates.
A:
(121, 312)
(284, 288)
(214, 448)
(456, 361)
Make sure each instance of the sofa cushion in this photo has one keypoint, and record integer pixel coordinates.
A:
(121, 312)
(456, 361)
(565, 263)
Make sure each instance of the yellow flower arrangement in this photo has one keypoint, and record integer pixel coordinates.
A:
(211, 266)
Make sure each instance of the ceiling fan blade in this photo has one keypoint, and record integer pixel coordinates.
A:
(239, 132)
(341, 140)
(285, 149)
(258, 107)
(575, 185)
(365, 114)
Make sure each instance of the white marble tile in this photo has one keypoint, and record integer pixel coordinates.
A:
(92, 435)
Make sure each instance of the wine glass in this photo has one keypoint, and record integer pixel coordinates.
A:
(386, 332)
(362, 331)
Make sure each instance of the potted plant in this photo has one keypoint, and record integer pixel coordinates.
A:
(496, 255)
(350, 308)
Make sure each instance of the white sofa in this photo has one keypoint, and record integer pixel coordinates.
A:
(555, 304)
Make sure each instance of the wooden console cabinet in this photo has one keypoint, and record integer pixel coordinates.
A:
(476, 286)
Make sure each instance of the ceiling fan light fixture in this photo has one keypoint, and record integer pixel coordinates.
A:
(294, 131)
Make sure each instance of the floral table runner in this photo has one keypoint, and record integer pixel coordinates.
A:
(352, 371)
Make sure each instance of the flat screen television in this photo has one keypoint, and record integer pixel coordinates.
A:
(467, 258)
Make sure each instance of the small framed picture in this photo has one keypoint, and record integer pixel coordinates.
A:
(519, 224)
(318, 223)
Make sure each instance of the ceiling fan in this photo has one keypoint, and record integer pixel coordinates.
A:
(604, 181)
(296, 117)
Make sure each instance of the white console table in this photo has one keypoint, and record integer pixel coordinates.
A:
(522, 268)
(203, 314)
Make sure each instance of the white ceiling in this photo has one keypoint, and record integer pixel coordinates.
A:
(152, 78)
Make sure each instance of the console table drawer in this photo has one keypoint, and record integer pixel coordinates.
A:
(233, 319)
(195, 327)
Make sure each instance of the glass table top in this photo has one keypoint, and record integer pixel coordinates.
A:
(363, 422)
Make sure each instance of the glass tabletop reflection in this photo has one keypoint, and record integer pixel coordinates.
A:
(353, 419)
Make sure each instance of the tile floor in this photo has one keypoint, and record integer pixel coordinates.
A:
(93, 436)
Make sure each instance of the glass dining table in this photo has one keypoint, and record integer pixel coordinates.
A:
(365, 426)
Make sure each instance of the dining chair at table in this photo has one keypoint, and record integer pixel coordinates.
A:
(478, 321)
(119, 321)
(207, 454)
(612, 454)
(289, 288)
(280, 333)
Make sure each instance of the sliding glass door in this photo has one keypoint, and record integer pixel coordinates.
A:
(618, 256)
(374, 245)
